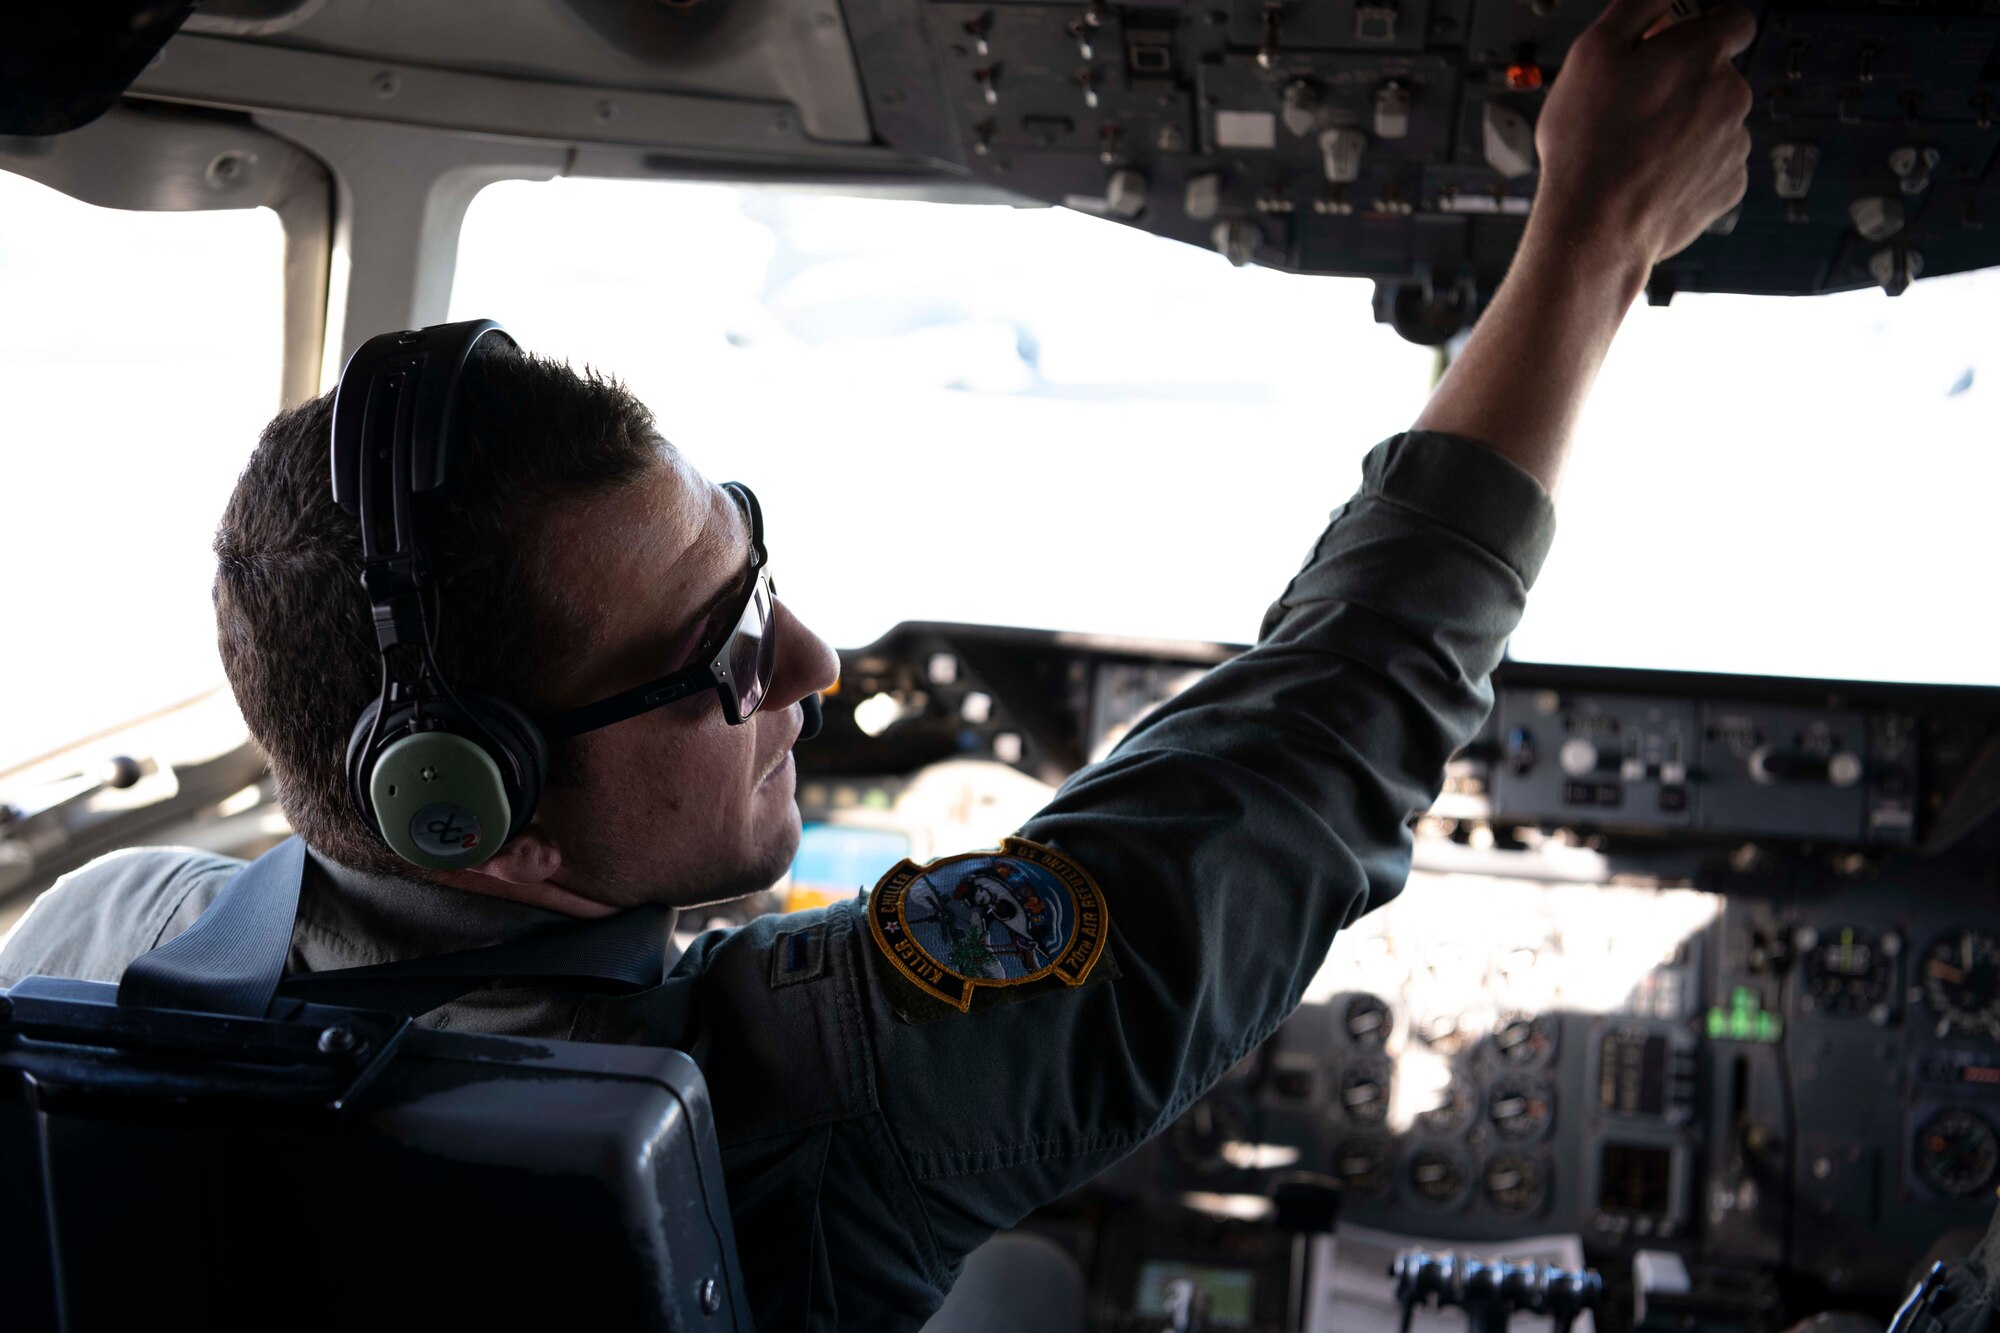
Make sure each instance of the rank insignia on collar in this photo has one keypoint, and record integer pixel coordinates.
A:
(1025, 916)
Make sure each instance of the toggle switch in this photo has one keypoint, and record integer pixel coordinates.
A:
(1086, 79)
(1203, 197)
(1340, 152)
(1108, 137)
(1877, 217)
(1081, 31)
(1896, 268)
(1913, 166)
(1267, 34)
(1792, 165)
(1509, 141)
(988, 77)
(1392, 111)
(977, 29)
(1237, 239)
(1299, 108)
(1125, 194)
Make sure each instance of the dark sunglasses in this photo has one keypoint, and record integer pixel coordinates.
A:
(736, 662)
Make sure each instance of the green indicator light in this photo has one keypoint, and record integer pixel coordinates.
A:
(1767, 1026)
(1744, 1000)
(1739, 1026)
(1718, 1023)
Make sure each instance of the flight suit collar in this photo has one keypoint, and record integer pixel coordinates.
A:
(350, 917)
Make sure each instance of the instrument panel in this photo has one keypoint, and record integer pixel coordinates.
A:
(1487, 1058)
(1395, 139)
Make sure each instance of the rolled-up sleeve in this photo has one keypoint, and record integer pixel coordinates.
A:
(1234, 831)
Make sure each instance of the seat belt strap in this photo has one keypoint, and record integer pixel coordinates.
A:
(229, 961)
(615, 955)
(232, 959)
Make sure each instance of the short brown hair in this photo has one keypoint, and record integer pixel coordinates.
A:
(293, 624)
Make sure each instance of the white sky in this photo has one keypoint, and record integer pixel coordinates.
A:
(1762, 485)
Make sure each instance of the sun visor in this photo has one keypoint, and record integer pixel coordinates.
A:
(63, 65)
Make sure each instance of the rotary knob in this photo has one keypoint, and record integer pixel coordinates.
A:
(1579, 757)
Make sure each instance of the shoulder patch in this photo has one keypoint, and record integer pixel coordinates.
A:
(987, 927)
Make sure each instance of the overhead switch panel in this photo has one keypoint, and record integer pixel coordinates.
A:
(1396, 141)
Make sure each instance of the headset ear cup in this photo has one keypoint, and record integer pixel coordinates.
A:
(525, 757)
(441, 799)
(496, 751)
(361, 757)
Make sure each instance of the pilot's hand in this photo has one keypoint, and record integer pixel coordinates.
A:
(1642, 139)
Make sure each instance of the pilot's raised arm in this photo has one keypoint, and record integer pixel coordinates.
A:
(1017, 1021)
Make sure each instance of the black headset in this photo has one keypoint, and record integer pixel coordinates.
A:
(446, 777)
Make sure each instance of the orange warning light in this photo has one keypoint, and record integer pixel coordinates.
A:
(1524, 78)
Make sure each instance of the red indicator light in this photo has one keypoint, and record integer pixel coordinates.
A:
(1524, 78)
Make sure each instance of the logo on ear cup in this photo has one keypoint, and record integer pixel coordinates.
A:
(440, 800)
(445, 828)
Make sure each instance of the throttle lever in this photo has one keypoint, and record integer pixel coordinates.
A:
(1491, 1292)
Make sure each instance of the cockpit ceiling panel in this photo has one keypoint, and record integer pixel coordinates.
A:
(1393, 139)
(789, 52)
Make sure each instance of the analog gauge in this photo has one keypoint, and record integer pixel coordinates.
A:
(1200, 1139)
(1443, 1033)
(1957, 1153)
(1525, 1040)
(1515, 1183)
(1364, 1093)
(1438, 1176)
(1362, 1166)
(1520, 1109)
(1961, 980)
(1453, 1112)
(1846, 972)
(1366, 1021)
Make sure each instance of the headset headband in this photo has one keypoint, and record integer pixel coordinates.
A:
(392, 418)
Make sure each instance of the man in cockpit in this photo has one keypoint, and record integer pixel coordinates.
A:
(869, 1137)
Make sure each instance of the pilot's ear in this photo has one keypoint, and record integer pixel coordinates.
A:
(529, 857)
(524, 871)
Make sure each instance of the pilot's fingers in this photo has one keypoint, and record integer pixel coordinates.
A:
(1626, 21)
(1720, 35)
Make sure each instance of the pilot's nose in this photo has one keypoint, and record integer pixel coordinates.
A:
(806, 662)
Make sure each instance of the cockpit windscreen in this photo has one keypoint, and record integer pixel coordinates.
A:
(1079, 386)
